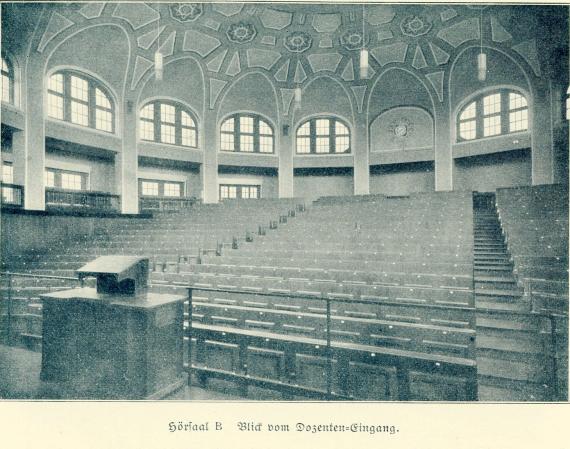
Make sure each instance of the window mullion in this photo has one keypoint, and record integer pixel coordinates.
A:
(157, 122)
(479, 119)
(256, 148)
(91, 106)
(67, 97)
(313, 136)
(505, 113)
(178, 126)
(332, 134)
(237, 132)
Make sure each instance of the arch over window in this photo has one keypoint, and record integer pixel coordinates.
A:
(492, 114)
(323, 135)
(7, 81)
(168, 122)
(246, 133)
(81, 100)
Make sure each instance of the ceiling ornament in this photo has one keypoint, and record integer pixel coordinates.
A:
(241, 32)
(352, 40)
(298, 41)
(400, 130)
(186, 12)
(415, 26)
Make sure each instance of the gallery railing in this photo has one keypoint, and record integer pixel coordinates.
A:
(84, 200)
(12, 195)
(160, 204)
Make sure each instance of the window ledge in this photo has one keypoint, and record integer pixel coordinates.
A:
(246, 153)
(323, 154)
(169, 145)
(82, 128)
(498, 136)
(12, 107)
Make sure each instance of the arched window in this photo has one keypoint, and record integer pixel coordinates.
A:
(81, 100)
(7, 81)
(168, 122)
(246, 133)
(492, 114)
(323, 135)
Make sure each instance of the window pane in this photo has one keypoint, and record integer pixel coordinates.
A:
(246, 143)
(104, 120)
(79, 113)
(469, 112)
(228, 125)
(188, 137)
(6, 88)
(150, 188)
(303, 144)
(148, 112)
(56, 83)
(101, 99)
(70, 181)
(4, 65)
(147, 130)
(265, 144)
(518, 120)
(227, 142)
(467, 130)
(8, 173)
(167, 133)
(232, 192)
(492, 104)
(342, 143)
(55, 106)
(322, 126)
(79, 88)
(254, 192)
(340, 129)
(304, 130)
(322, 145)
(516, 101)
(264, 128)
(186, 120)
(492, 125)
(245, 192)
(224, 192)
(246, 125)
(171, 189)
(49, 178)
(167, 113)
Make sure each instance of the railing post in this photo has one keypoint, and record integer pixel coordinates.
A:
(9, 324)
(329, 350)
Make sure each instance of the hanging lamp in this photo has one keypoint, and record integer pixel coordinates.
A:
(158, 57)
(298, 97)
(481, 57)
(363, 52)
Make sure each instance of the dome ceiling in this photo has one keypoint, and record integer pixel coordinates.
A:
(293, 42)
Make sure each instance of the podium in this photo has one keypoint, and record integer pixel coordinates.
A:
(115, 341)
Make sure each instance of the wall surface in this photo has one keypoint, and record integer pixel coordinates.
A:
(486, 173)
(314, 183)
(402, 179)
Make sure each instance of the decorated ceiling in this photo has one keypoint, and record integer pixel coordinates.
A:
(293, 42)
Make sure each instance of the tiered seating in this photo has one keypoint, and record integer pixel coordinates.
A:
(535, 223)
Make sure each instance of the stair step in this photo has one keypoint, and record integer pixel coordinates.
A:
(504, 279)
(489, 292)
(493, 268)
(510, 369)
(514, 323)
(488, 305)
(499, 389)
(500, 341)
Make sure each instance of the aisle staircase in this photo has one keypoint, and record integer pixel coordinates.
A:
(510, 342)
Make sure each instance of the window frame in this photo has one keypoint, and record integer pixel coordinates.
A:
(10, 75)
(480, 116)
(57, 177)
(161, 184)
(255, 133)
(92, 86)
(158, 122)
(239, 188)
(314, 135)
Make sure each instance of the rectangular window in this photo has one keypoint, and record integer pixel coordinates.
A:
(341, 144)
(227, 142)
(188, 137)
(245, 192)
(303, 145)
(322, 145)
(492, 125)
(322, 127)
(79, 89)
(147, 130)
(492, 104)
(246, 125)
(70, 181)
(103, 120)
(224, 192)
(468, 130)
(232, 192)
(5, 88)
(7, 173)
(246, 143)
(149, 188)
(55, 106)
(79, 113)
(171, 189)
(167, 113)
(167, 133)
(265, 144)
(49, 178)
(518, 120)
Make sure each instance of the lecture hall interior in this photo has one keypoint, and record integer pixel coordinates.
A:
(284, 201)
